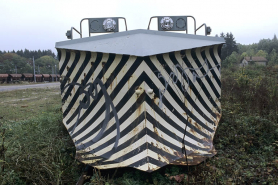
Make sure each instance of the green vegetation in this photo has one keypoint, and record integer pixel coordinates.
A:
(22, 62)
(35, 148)
(230, 45)
(232, 53)
(38, 150)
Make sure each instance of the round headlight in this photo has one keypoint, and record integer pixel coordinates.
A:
(166, 23)
(109, 25)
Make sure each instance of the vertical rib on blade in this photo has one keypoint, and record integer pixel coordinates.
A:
(141, 112)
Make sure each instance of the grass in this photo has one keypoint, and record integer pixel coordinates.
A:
(38, 149)
(24, 104)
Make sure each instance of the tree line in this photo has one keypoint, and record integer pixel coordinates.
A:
(233, 53)
(22, 62)
(30, 54)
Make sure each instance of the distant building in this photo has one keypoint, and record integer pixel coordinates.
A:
(15, 77)
(54, 77)
(255, 60)
(39, 77)
(46, 77)
(4, 78)
(28, 77)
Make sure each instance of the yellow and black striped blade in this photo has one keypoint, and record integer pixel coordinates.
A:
(142, 112)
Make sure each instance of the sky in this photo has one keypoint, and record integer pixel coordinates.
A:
(38, 24)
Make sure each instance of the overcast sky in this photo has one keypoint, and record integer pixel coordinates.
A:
(37, 24)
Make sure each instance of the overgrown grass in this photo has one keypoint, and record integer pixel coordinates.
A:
(40, 151)
(24, 104)
(37, 148)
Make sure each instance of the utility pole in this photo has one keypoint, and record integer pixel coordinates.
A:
(39, 70)
(34, 70)
(52, 73)
(55, 73)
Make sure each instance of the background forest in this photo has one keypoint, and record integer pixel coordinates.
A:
(22, 61)
(233, 53)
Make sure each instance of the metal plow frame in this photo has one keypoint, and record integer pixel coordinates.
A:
(141, 112)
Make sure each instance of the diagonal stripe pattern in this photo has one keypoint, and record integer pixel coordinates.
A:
(141, 112)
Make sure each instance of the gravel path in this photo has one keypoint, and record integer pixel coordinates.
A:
(18, 87)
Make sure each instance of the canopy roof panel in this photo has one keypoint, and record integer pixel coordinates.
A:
(27, 75)
(46, 75)
(4, 75)
(139, 42)
(16, 75)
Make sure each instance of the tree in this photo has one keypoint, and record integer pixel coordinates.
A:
(273, 57)
(9, 56)
(27, 53)
(261, 53)
(274, 43)
(265, 44)
(39, 53)
(7, 67)
(1, 58)
(244, 54)
(20, 53)
(275, 38)
(230, 45)
(30, 54)
(46, 63)
(231, 60)
(251, 52)
(242, 48)
(13, 63)
(222, 35)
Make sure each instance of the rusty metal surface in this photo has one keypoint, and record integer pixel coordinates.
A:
(27, 75)
(46, 75)
(16, 75)
(53, 75)
(4, 75)
(141, 112)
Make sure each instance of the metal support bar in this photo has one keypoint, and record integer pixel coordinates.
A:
(72, 28)
(194, 24)
(201, 27)
(81, 27)
(125, 22)
(150, 21)
(34, 69)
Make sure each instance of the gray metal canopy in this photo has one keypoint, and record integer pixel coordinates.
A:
(139, 42)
